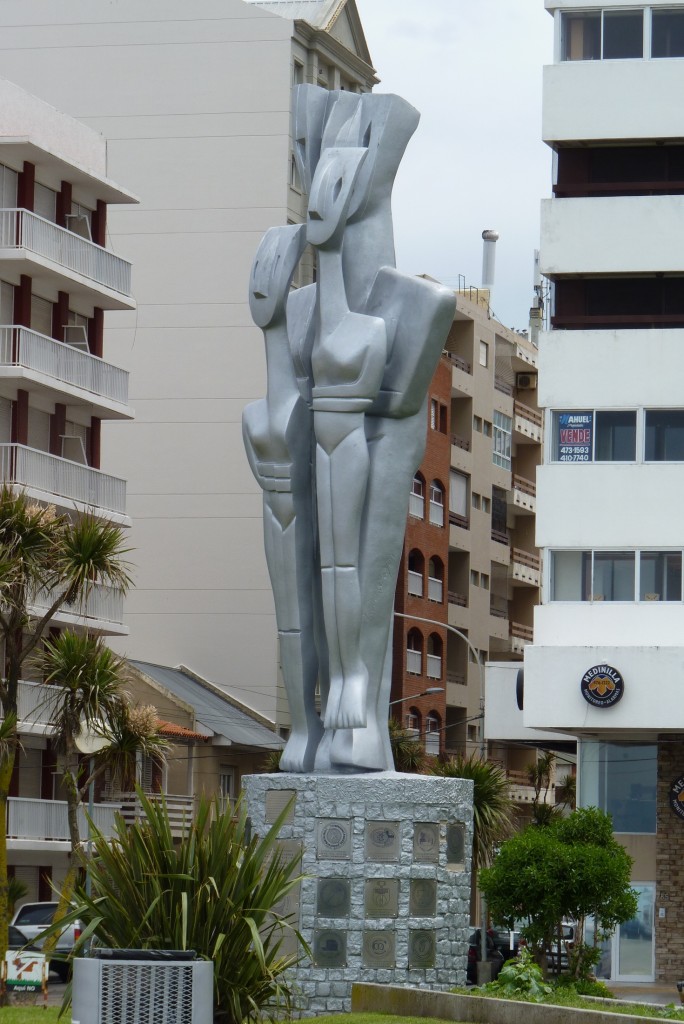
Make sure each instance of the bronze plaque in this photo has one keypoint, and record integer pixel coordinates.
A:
(423, 897)
(276, 802)
(421, 948)
(333, 897)
(378, 949)
(426, 841)
(382, 897)
(330, 948)
(288, 906)
(334, 839)
(382, 840)
(455, 845)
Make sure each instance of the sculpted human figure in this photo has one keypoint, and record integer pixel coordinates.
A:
(363, 342)
(347, 361)
(277, 435)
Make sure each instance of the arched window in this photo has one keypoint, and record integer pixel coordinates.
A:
(416, 572)
(436, 580)
(412, 722)
(417, 497)
(434, 656)
(433, 729)
(414, 652)
(436, 503)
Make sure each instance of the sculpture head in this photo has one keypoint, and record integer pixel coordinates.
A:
(331, 192)
(274, 265)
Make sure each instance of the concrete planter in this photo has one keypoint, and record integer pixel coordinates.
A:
(393, 999)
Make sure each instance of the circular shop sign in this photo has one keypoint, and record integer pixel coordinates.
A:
(676, 796)
(602, 686)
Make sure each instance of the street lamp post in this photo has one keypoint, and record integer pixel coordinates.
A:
(413, 696)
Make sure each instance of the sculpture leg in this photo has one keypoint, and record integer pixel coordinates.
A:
(341, 477)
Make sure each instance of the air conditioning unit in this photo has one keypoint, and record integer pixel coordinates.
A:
(130, 986)
(526, 381)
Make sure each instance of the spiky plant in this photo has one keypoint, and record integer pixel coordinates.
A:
(493, 809)
(408, 753)
(214, 892)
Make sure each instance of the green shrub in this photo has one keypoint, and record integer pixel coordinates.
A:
(520, 979)
(215, 892)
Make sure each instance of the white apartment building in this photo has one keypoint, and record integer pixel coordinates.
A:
(57, 279)
(607, 661)
(195, 102)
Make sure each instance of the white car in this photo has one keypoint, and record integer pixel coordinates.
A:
(33, 919)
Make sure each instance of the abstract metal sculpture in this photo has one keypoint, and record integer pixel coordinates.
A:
(337, 440)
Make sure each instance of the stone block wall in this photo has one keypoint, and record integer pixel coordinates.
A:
(669, 930)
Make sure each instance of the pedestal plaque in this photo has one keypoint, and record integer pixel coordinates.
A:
(277, 801)
(426, 841)
(382, 897)
(423, 897)
(330, 948)
(382, 841)
(455, 845)
(378, 949)
(422, 948)
(333, 897)
(334, 839)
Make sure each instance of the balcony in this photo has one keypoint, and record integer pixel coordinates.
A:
(527, 424)
(461, 442)
(180, 809)
(434, 666)
(414, 662)
(436, 513)
(102, 611)
(45, 821)
(525, 568)
(503, 386)
(500, 551)
(458, 599)
(62, 482)
(416, 506)
(59, 367)
(461, 375)
(523, 495)
(34, 707)
(520, 637)
(435, 590)
(43, 249)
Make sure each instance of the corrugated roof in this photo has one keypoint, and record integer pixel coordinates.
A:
(215, 712)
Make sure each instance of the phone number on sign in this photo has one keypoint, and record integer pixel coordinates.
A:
(577, 456)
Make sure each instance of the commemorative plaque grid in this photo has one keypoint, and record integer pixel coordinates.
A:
(333, 897)
(381, 897)
(333, 839)
(383, 841)
(276, 801)
(378, 949)
(426, 842)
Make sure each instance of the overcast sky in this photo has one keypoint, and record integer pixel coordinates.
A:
(474, 72)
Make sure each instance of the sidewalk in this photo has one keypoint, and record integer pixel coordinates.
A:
(656, 992)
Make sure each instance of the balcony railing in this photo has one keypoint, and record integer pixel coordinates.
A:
(458, 678)
(180, 809)
(21, 347)
(45, 820)
(34, 706)
(500, 536)
(456, 520)
(434, 666)
(435, 589)
(461, 442)
(414, 662)
(521, 483)
(526, 558)
(69, 481)
(415, 583)
(459, 361)
(526, 413)
(21, 229)
(503, 386)
(416, 506)
(460, 599)
(436, 513)
(519, 632)
(104, 603)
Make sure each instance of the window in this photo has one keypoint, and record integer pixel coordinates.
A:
(620, 778)
(297, 73)
(660, 576)
(436, 504)
(414, 652)
(603, 436)
(41, 316)
(417, 498)
(432, 731)
(45, 202)
(458, 496)
(664, 435)
(607, 35)
(435, 580)
(476, 500)
(503, 426)
(6, 303)
(416, 568)
(434, 656)
(474, 578)
(486, 428)
(412, 722)
(616, 576)
(667, 33)
(486, 505)
(484, 353)
(477, 423)
(484, 581)
(434, 414)
(80, 221)
(8, 187)
(295, 180)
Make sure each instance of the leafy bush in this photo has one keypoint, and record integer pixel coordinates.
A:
(215, 892)
(520, 979)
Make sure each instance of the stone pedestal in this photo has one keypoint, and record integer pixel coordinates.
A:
(386, 890)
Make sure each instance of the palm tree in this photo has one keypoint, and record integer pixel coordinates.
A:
(86, 693)
(408, 753)
(493, 809)
(46, 561)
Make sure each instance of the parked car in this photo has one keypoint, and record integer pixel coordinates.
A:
(507, 940)
(32, 919)
(494, 956)
(567, 940)
(17, 940)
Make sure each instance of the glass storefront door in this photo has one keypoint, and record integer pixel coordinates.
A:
(628, 955)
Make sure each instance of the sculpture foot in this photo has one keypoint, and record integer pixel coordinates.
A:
(322, 762)
(332, 705)
(351, 713)
(359, 750)
(300, 750)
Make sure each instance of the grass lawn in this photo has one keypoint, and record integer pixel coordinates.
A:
(29, 1015)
